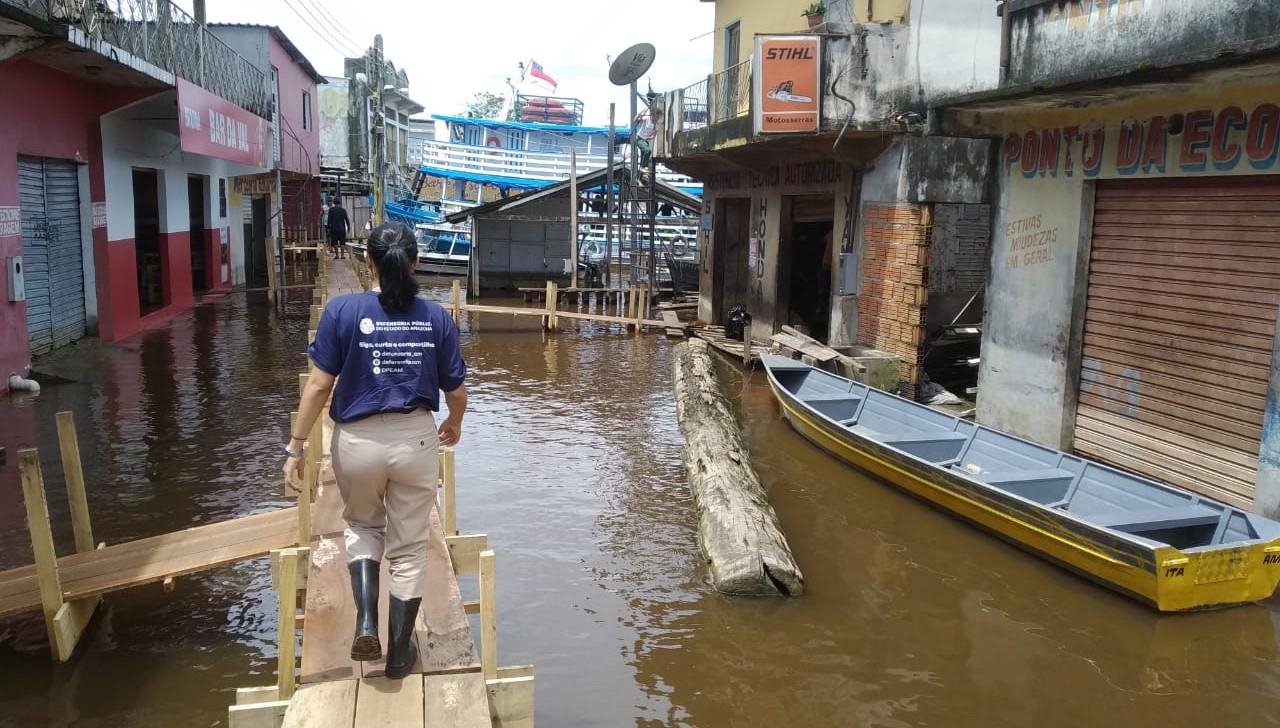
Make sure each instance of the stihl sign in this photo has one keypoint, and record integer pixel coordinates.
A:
(787, 84)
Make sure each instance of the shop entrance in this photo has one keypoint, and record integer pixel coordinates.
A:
(804, 295)
(731, 272)
(255, 241)
(197, 196)
(146, 236)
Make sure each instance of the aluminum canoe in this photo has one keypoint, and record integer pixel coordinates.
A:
(1165, 546)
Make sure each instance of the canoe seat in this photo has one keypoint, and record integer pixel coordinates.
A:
(937, 447)
(1158, 519)
(838, 408)
(1047, 486)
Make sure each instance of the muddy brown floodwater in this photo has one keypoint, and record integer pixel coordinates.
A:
(570, 462)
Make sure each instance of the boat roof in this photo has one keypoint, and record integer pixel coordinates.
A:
(619, 132)
(665, 193)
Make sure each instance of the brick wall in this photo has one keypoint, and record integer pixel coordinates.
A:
(895, 284)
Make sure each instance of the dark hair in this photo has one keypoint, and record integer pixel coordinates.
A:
(393, 249)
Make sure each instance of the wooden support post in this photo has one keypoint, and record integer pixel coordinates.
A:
(548, 321)
(271, 268)
(64, 621)
(450, 492)
(457, 302)
(488, 616)
(73, 471)
(285, 682)
(554, 304)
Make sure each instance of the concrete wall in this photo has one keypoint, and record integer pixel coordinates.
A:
(755, 16)
(1100, 38)
(946, 49)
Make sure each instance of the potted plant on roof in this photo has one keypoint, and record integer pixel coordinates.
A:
(814, 13)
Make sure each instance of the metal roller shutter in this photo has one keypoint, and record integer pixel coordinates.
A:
(52, 252)
(35, 254)
(1184, 281)
(66, 251)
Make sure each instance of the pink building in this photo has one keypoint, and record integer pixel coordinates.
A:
(283, 207)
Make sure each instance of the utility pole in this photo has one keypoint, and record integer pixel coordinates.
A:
(608, 209)
(378, 133)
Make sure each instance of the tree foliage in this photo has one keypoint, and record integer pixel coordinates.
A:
(486, 105)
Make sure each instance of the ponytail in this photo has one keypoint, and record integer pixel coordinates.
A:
(394, 249)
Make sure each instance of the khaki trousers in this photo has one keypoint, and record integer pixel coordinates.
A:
(387, 467)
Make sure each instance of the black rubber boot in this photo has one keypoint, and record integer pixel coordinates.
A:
(364, 587)
(402, 652)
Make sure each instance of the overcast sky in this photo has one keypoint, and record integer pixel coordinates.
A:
(451, 50)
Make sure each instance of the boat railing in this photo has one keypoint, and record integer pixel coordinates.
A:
(501, 162)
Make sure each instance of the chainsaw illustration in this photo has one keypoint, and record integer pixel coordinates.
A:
(782, 92)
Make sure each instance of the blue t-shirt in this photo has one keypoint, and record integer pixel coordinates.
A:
(386, 362)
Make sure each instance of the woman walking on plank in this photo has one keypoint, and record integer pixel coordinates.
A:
(390, 354)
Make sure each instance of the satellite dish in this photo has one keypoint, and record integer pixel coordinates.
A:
(632, 64)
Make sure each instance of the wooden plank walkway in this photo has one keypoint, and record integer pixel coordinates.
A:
(154, 559)
(447, 688)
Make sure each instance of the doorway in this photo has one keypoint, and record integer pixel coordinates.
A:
(146, 235)
(805, 286)
(255, 241)
(197, 196)
(731, 273)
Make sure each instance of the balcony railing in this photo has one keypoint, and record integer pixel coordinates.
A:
(164, 35)
(720, 97)
(35, 9)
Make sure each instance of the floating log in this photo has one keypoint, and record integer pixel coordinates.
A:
(738, 530)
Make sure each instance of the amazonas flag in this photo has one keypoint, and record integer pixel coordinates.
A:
(535, 70)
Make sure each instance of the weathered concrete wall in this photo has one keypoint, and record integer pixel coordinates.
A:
(947, 49)
(1035, 308)
(1100, 38)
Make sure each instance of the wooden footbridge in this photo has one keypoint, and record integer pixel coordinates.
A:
(454, 685)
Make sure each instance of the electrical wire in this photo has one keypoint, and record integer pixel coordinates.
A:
(315, 8)
(322, 36)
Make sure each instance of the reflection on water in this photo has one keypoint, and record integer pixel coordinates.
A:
(570, 461)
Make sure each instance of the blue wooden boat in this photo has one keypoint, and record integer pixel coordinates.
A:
(1168, 547)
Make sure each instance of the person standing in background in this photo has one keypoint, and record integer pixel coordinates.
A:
(339, 227)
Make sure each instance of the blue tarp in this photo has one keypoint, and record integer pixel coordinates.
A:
(620, 132)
